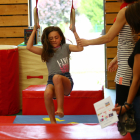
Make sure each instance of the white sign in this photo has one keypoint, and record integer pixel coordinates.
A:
(104, 112)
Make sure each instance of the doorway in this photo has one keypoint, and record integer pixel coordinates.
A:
(87, 67)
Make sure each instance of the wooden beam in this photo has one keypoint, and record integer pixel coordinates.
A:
(111, 84)
(11, 41)
(109, 18)
(111, 52)
(112, 7)
(13, 1)
(111, 75)
(14, 20)
(14, 9)
(12, 31)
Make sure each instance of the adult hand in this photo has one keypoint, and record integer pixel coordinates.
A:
(84, 42)
(117, 108)
(113, 66)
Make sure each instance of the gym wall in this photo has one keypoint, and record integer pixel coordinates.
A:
(111, 9)
(13, 21)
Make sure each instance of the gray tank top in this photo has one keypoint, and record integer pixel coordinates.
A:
(59, 63)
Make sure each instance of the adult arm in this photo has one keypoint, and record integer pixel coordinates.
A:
(111, 34)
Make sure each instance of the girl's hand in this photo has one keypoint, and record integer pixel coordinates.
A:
(79, 42)
(38, 27)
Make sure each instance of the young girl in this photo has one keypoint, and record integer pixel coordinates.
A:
(55, 53)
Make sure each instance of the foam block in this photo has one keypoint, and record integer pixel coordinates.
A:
(60, 132)
(78, 103)
(9, 80)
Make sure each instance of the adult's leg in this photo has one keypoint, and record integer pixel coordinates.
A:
(62, 86)
(136, 103)
(48, 97)
(121, 94)
(121, 98)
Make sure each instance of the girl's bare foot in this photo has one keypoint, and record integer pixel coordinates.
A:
(53, 122)
(60, 114)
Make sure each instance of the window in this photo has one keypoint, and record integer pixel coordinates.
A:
(89, 64)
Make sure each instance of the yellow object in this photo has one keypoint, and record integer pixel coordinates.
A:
(48, 119)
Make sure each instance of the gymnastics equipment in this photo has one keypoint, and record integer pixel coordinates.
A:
(78, 103)
(81, 131)
(9, 80)
(72, 17)
(32, 71)
(36, 19)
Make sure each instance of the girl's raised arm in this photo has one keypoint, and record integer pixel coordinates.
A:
(78, 47)
(30, 47)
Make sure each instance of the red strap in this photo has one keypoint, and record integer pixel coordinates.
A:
(36, 3)
(40, 77)
(72, 5)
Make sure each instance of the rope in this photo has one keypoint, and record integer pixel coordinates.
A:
(72, 5)
(36, 3)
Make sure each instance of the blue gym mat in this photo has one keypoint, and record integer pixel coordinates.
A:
(44, 119)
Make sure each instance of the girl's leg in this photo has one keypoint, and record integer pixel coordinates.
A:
(62, 86)
(48, 96)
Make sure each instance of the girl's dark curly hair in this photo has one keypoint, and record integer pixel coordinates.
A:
(132, 15)
(48, 50)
